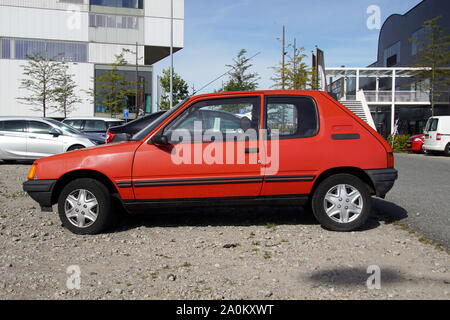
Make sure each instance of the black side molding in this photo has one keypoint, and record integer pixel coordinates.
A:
(346, 136)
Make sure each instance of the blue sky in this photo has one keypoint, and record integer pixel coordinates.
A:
(215, 31)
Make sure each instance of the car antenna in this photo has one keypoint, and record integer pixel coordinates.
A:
(209, 83)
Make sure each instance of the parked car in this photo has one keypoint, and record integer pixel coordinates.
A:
(93, 126)
(125, 131)
(437, 135)
(415, 143)
(296, 148)
(24, 138)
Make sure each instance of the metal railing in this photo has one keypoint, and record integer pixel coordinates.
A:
(404, 96)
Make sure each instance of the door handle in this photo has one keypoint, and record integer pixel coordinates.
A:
(251, 150)
(32, 137)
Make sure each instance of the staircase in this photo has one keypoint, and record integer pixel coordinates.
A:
(356, 107)
(360, 108)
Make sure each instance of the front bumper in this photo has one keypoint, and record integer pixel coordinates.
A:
(383, 180)
(41, 192)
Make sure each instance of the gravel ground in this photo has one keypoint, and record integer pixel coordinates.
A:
(262, 253)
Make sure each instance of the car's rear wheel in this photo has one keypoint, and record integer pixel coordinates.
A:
(84, 206)
(342, 202)
(76, 147)
(447, 150)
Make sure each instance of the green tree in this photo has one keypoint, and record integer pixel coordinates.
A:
(65, 92)
(240, 79)
(112, 89)
(295, 75)
(41, 74)
(434, 56)
(180, 89)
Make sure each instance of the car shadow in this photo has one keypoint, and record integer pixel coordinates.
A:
(15, 162)
(383, 211)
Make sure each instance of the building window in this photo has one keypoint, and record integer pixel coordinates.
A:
(6, 49)
(60, 50)
(392, 55)
(133, 4)
(113, 21)
(418, 38)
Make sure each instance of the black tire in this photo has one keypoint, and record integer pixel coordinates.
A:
(447, 150)
(318, 202)
(104, 210)
(76, 147)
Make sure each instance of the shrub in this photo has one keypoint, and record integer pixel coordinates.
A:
(399, 142)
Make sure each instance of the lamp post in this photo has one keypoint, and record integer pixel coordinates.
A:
(171, 54)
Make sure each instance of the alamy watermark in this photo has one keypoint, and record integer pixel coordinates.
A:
(374, 19)
(237, 147)
(74, 279)
(74, 18)
(374, 280)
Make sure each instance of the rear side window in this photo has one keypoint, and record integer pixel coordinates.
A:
(74, 123)
(94, 125)
(293, 117)
(14, 125)
(110, 124)
(1, 125)
(39, 127)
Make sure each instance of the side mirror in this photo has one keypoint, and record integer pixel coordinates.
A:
(55, 132)
(160, 140)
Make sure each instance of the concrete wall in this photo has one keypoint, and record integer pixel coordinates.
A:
(10, 89)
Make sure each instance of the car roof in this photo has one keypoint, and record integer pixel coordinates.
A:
(21, 118)
(94, 118)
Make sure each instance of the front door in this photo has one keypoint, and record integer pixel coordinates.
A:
(213, 153)
(41, 142)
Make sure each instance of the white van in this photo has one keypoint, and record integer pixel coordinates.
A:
(437, 135)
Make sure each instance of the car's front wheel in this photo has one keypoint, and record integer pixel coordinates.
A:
(84, 206)
(342, 202)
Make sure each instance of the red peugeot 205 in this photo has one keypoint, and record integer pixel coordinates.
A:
(236, 148)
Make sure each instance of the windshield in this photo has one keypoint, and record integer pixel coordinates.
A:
(64, 127)
(144, 132)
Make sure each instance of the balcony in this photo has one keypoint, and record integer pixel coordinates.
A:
(403, 97)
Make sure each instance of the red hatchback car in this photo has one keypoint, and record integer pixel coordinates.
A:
(235, 148)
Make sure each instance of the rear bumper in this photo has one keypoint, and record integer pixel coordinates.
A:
(41, 191)
(383, 180)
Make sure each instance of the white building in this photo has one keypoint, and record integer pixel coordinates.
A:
(88, 33)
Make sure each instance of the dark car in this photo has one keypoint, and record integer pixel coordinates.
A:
(94, 127)
(125, 131)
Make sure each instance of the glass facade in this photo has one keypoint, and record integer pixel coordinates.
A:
(69, 51)
(5, 49)
(113, 21)
(133, 4)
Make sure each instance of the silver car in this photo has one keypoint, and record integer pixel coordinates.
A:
(23, 138)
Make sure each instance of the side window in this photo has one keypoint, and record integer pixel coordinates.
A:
(38, 127)
(74, 123)
(293, 117)
(94, 125)
(1, 125)
(231, 116)
(14, 125)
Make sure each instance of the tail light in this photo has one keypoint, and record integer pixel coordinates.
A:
(390, 159)
(438, 136)
(109, 137)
